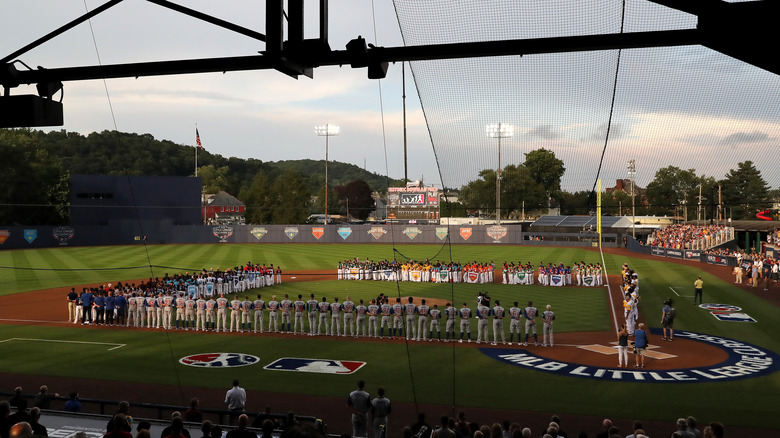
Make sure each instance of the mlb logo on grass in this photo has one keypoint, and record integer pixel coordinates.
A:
(322, 366)
(219, 360)
(733, 316)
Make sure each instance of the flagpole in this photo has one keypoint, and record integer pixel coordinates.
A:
(196, 151)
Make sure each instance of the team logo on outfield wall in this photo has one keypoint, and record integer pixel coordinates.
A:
(30, 235)
(259, 232)
(219, 360)
(345, 232)
(496, 232)
(465, 233)
(317, 232)
(222, 232)
(4, 236)
(291, 232)
(63, 234)
(412, 232)
(321, 366)
(377, 232)
(441, 232)
(744, 361)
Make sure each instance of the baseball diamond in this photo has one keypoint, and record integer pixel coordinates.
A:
(419, 375)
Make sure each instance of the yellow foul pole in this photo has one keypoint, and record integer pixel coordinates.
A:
(598, 211)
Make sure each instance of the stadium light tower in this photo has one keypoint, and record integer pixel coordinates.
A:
(499, 131)
(327, 130)
(632, 175)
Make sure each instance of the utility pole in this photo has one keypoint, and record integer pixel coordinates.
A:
(632, 175)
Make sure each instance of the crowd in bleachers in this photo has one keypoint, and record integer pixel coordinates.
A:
(17, 421)
(689, 236)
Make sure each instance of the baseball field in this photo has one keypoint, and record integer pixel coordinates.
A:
(720, 369)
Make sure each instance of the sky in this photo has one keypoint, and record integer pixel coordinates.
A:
(690, 106)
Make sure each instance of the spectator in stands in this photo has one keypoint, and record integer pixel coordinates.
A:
(21, 413)
(557, 420)
(443, 431)
(20, 430)
(267, 428)
(44, 397)
(143, 433)
(176, 429)
(682, 429)
(714, 430)
(462, 426)
(262, 416)
(14, 401)
(605, 425)
(289, 421)
(5, 418)
(73, 404)
(169, 430)
(691, 423)
(205, 427)
(421, 429)
(193, 414)
(121, 427)
(124, 409)
(241, 431)
(496, 431)
(216, 431)
(143, 425)
(638, 426)
(38, 428)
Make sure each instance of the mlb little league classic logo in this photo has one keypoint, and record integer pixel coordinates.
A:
(219, 360)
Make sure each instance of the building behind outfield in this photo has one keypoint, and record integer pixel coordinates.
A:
(106, 199)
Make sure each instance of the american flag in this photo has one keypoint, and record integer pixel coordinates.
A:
(197, 139)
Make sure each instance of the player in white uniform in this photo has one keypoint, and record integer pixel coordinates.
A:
(211, 305)
(422, 320)
(151, 311)
(273, 315)
(323, 307)
(449, 329)
(286, 307)
(410, 309)
(547, 317)
(222, 305)
(465, 322)
(246, 314)
(398, 318)
(360, 318)
(258, 306)
(387, 314)
(498, 323)
(189, 312)
(483, 313)
(311, 307)
(516, 314)
(348, 308)
(299, 307)
(180, 302)
(335, 317)
(435, 316)
(530, 313)
(200, 314)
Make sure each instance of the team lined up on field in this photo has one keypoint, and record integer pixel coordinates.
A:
(474, 272)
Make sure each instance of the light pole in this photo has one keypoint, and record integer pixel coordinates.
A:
(327, 130)
(632, 175)
(499, 131)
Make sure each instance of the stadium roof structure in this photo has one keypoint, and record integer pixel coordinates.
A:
(582, 222)
(742, 30)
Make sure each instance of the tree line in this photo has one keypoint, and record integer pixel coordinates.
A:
(37, 166)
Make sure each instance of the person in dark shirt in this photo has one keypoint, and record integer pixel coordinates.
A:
(241, 432)
(73, 405)
(193, 414)
(44, 397)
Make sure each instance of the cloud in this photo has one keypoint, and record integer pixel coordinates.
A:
(745, 137)
(546, 132)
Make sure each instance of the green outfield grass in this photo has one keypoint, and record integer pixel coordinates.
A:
(440, 373)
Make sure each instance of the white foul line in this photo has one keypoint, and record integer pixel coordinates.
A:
(66, 342)
(675, 292)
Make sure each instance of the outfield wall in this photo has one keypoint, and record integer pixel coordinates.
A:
(695, 255)
(162, 232)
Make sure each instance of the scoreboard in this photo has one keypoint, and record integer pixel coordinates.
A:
(406, 204)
